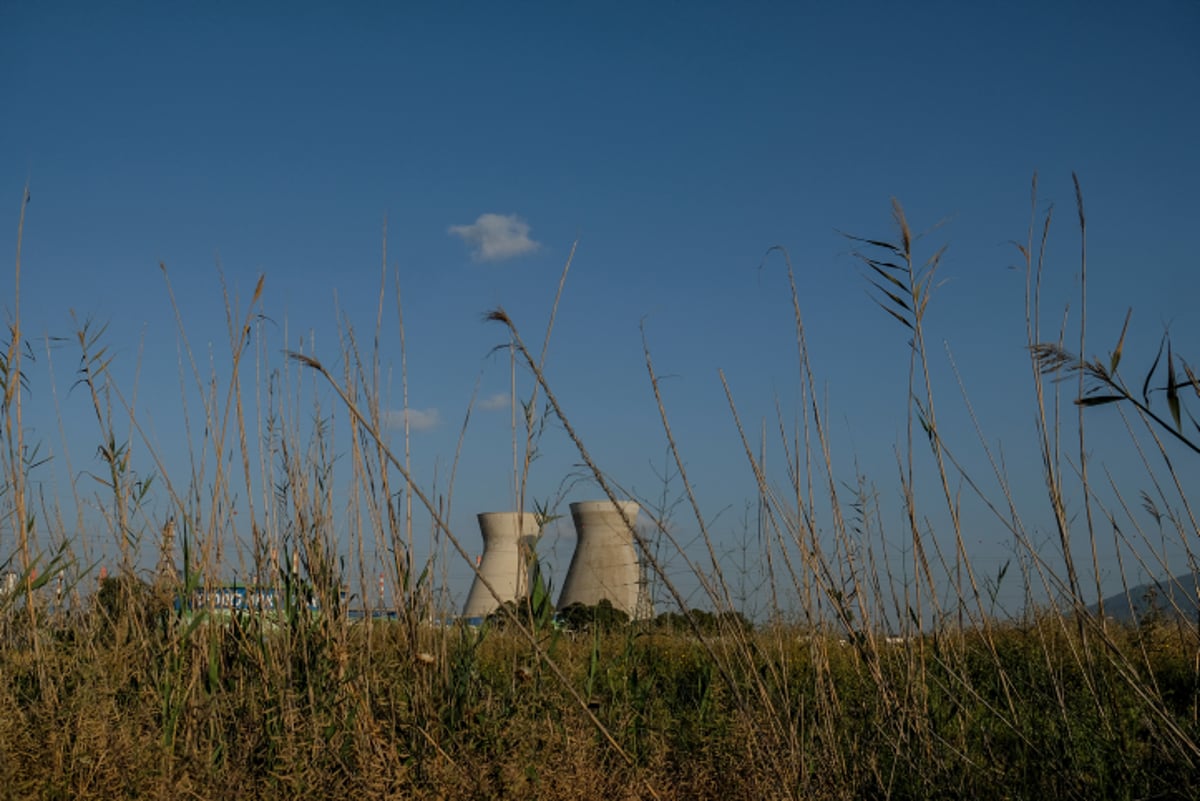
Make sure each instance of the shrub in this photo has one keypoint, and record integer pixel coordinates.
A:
(581, 617)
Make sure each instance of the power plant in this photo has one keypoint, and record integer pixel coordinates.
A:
(507, 541)
(605, 564)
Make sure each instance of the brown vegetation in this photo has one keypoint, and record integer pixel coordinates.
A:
(868, 687)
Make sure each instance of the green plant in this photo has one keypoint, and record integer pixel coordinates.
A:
(1104, 383)
(600, 617)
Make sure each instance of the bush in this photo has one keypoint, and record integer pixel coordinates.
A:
(581, 617)
(706, 622)
(126, 604)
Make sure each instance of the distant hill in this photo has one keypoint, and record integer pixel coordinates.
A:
(1172, 596)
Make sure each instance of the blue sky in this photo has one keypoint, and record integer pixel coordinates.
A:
(677, 142)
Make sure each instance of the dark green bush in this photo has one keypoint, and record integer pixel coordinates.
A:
(581, 617)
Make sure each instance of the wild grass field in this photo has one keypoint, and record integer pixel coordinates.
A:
(879, 680)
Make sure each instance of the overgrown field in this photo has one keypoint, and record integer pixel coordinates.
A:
(869, 675)
(115, 710)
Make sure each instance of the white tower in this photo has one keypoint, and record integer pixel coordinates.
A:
(504, 561)
(605, 563)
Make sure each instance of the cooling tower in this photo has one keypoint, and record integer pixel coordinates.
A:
(503, 563)
(605, 563)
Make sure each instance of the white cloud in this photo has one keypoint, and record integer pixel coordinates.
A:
(495, 237)
(418, 419)
(492, 402)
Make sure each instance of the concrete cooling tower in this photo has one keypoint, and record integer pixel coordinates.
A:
(605, 563)
(503, 563)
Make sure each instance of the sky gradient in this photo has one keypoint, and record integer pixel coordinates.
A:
(677, 142)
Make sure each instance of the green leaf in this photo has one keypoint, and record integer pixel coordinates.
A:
(1115, 359)
(923, 420)
(1173, 391)
(891, 265)
(878, 266)
(873, 242)
(899, 301)
(1153, 367)
(1098, 400)
(214, 675)
(895, 314)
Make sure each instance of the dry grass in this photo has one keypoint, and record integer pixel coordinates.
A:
(867, 685)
